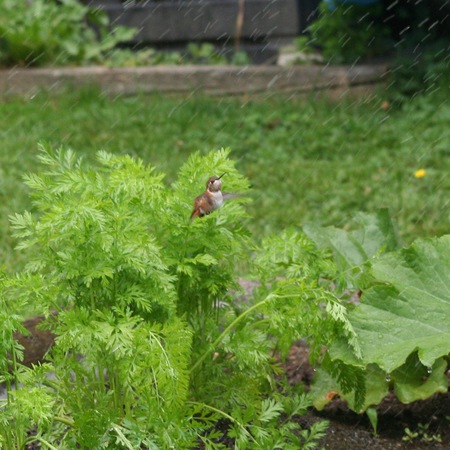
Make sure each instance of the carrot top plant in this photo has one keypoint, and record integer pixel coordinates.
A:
(151, 350)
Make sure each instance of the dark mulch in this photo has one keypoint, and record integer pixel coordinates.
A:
(351, 431)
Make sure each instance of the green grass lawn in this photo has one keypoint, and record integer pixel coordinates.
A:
(307, 159)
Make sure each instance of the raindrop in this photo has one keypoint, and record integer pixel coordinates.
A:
(429, 370)
(433, 25)
(439, 52)
(426, 36)
(363, 17)
(347, 10)
(399, 43)
(388, 377)
(404, 30)
(392, 5)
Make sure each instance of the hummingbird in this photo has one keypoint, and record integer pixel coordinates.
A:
(211, 199)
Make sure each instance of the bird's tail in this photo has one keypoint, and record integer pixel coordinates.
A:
(196, 213)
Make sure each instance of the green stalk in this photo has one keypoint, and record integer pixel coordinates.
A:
(65, 420)
(14, 371)
(44, 442)
(5, 432)
(115, 387)
(101, 376)
(227, 416)
(229, 328)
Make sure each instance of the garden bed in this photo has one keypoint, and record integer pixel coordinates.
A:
(347, 430)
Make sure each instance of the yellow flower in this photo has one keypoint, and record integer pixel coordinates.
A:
(420, 173)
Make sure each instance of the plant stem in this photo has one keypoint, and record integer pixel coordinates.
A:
(65, 420)
(227, 416)
(229, 328)
(14, 368)
(44, 442)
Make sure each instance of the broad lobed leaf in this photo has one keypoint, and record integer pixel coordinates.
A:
(409, 310)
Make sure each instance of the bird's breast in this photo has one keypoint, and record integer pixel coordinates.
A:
(216, 199)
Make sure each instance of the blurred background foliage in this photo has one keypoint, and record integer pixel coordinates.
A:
(309, 159)
(61, 32)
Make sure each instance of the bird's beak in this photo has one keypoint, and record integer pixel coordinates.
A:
(222, 175)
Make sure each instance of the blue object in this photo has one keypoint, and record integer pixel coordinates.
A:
(333, 3)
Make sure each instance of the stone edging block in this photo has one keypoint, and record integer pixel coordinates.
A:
(207, 79)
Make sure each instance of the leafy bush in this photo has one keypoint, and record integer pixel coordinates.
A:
(412, 76)
(348, 33)
(206, 53)
(394, 302)
(68, 32)
(401, 322)
(51, 31)
(151, 350)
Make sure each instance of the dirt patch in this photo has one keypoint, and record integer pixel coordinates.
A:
(351, 431)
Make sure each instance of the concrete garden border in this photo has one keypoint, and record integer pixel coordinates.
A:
(218, 80)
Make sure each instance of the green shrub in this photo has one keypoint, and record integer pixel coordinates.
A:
(151, 347)
(420, 74)
(55, 32)
(206, 53)
(400, 322)
(349, 33)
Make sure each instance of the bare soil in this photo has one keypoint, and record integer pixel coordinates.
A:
(350, 431)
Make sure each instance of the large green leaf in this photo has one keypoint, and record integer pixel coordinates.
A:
(369, 235)
(410, 311)
(403, 327)
(325, 387)
(413, 381)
